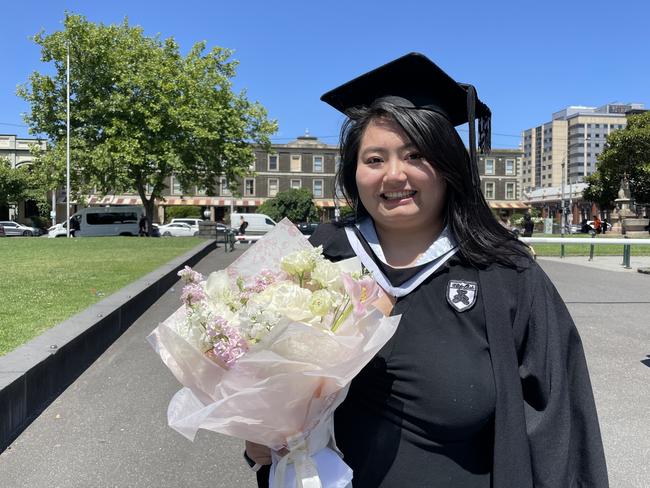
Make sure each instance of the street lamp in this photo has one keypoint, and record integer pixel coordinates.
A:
(562, 217)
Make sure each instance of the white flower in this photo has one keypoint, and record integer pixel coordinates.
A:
(218, 287)
(300, 262)
(287, 299)
(322, 302)
(327, 275)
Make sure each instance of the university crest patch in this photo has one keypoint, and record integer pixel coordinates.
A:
(461, 294)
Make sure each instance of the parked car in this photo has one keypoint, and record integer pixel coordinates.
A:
(191, 221)
(177, 229)
(12, 228)
(307, 228)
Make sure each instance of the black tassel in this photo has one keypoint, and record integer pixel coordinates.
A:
(485, 134)
(471, 119)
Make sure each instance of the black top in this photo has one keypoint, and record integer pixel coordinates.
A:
(420, 414)
(540, 405)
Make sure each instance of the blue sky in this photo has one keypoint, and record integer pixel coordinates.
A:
(527, 59)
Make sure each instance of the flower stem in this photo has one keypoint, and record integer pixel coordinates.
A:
(342, 317)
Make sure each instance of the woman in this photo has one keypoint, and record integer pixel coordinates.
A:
(484, 384)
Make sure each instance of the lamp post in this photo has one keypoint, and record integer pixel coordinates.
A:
(67, 149)
(562, 216)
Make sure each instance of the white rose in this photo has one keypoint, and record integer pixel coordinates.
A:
(287, 299)
(321, 303)
(327, 275)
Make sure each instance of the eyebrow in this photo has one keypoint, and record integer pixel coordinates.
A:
(382, 149)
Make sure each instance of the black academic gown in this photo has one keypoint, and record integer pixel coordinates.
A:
(546, 432)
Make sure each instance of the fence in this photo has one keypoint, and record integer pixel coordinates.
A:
(592, 241)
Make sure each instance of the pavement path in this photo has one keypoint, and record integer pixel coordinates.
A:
(109, 429)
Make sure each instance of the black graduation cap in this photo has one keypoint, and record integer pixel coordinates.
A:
(414, 81)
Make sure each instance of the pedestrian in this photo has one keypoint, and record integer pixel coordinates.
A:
(74, 226)
(529, 225)
(242, 226)
(604, 225)
(143, 226)
(597, 224)
(485, 383)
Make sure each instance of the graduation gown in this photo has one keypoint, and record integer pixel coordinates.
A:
(545, 428)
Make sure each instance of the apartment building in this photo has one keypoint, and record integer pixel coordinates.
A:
(565, 150)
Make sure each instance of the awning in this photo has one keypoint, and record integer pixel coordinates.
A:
(507, 204)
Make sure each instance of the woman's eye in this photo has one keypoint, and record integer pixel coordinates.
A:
(373, 160)
(414, 157)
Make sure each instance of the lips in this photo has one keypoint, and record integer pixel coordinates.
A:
(398, 195)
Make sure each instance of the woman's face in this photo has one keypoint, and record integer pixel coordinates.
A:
(400, 189)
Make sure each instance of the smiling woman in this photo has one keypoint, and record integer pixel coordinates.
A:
(460, 394)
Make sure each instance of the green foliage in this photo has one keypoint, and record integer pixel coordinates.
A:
(140, 112)
(177, 212)
(346, 212)
(295, 204)
(627, 152)
(72, 275)
(14, 183)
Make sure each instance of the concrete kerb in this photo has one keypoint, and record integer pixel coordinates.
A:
(34, 374)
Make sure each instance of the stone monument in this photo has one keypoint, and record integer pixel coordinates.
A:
(626, 221)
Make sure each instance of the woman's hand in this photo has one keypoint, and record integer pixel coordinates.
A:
(258, 453)
(384, 303)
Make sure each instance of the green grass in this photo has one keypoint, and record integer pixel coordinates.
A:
(45, 281)
(553, 250)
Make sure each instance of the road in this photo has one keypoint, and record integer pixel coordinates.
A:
(109, 428)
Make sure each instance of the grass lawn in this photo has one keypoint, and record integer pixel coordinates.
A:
(553, 250)
(45, 281)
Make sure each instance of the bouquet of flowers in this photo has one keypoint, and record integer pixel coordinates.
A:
(266, 348)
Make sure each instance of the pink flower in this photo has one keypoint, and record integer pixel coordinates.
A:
(193, 293)
(228, 344)
(362, 292)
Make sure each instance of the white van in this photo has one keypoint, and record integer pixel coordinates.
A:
(258, 224)
(103, 221)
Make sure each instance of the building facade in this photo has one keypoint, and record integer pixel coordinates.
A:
(565, 150)
(305, 162)
(18, 151)
(500, 180)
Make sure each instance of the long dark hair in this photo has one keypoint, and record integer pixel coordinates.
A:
(481, 239)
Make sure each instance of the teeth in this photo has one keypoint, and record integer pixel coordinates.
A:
(398, 194)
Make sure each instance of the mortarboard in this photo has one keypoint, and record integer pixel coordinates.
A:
(414, 81)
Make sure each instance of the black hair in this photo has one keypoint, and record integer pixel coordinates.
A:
(481, 238)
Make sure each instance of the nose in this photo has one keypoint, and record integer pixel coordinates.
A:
(395, 170)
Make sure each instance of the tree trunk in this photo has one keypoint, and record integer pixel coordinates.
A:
(148, 209)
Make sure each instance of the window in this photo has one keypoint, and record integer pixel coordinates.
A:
(510, 166)
(296, 162)
(296, 184)
(273, 162)
(273, 186)
(510, 191)
(109, 218)
(489, 166)
(318, 164)
(223, 185)
(317, 188)
(489, 190)
(176, 186)
(249, 187)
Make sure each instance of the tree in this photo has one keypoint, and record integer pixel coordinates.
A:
(18, 184)
(14, 183)
(627, 152)
(140, 112)
(295, 204)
